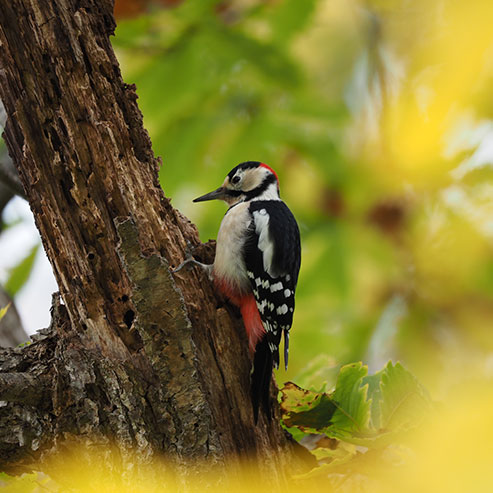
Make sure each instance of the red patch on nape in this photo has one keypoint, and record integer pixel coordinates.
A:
(266, 166)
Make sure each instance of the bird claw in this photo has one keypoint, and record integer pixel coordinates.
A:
(189, 260)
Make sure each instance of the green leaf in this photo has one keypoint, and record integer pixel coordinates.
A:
(290, 18)
(309, 411)
(344, 412)
(375, 394)
(369, 410)
(404, 400)
(20, 273)
(350, 397)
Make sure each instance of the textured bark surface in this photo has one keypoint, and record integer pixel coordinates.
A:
(154, 362)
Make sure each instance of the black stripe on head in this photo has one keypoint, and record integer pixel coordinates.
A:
(233, 193)
(268, 180)
(245, 165)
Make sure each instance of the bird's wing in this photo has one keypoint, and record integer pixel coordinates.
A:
(272, 259)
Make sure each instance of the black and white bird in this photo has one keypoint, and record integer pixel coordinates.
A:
(256, 266)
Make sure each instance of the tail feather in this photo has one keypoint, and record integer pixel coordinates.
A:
(286, 348)
(261, 377)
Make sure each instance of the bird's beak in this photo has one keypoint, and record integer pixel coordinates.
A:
(220, 193)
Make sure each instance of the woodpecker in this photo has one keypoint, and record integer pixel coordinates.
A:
(258, 256)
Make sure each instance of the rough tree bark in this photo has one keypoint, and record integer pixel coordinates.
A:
(153, 362)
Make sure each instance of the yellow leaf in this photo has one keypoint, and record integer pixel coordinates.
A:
(3, 310)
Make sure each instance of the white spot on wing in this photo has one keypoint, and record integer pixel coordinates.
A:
(287, 293)
(282, 310)
(276, 287)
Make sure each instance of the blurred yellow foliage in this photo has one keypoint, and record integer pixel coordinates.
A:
(444, 72)
(452, 452)
(378, 117)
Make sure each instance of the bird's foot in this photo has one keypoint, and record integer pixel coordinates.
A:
(190, 261)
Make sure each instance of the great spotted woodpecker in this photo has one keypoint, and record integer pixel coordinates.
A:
(256, 266)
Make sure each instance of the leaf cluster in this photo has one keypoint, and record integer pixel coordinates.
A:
(363, 414)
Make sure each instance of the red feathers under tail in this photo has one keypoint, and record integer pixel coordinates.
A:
(249, 311)
(262, 359)
(251, 319)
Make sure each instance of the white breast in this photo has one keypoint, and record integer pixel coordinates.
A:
(229, 264)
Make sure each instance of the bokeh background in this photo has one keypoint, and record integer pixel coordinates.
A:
(377, 116)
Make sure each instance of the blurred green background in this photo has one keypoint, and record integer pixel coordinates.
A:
(376, 116)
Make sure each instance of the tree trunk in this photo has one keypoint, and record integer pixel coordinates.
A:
(155, 363)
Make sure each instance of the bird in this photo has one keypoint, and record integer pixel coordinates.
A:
(256, 266)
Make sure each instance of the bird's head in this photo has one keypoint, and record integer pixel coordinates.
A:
(251, 180)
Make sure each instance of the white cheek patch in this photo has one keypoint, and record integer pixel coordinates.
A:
(253, 178)
(246, 182)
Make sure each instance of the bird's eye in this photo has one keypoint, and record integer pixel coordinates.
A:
(235, 179)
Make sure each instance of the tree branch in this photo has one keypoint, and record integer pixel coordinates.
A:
(23, 388)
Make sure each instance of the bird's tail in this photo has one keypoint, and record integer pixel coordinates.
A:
(260, 378)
